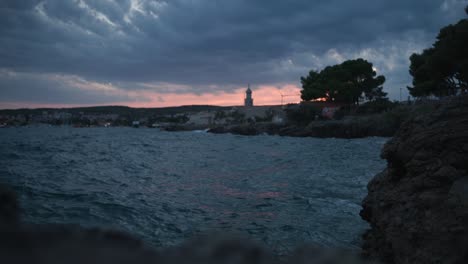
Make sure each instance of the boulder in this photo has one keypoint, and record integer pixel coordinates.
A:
(418, 206)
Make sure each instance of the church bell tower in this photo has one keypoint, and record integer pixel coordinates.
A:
(248, 101)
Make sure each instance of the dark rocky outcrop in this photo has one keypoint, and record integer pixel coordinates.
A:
(349, 128)
(9, 211)
(245, 130)
(353, 127)
(418, 206)
(248, 129)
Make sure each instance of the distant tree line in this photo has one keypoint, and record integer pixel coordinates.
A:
(442, 69)
(438, 71)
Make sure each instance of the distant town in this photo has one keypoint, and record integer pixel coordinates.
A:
(244, 119)
(105, 116)
(194, 116)
(168, 118)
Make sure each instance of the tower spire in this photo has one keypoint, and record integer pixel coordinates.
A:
(248, 97)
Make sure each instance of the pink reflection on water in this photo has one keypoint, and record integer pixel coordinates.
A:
(281, 184)
(269, 195)
(263, 214)
(273, 169)
(248, 215)
(224, 190)
(206, 208)
(232, 192)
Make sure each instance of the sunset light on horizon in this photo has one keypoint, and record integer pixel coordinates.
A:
(263, 95)
(157, 53)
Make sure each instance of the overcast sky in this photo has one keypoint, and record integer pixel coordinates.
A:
(175, 52)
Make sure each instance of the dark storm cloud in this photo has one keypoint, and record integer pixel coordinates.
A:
(225, 43)
(59, 89)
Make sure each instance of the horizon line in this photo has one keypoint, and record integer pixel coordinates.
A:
(175, 106)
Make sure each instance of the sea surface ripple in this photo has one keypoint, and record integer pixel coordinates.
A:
(165, 187)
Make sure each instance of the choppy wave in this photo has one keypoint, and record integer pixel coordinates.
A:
(165, 187)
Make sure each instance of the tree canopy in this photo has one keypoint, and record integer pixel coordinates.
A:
(345, 83)
(442, 69)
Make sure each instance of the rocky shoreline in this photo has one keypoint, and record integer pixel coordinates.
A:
(418, 206)
(349, 128)
(384, 124)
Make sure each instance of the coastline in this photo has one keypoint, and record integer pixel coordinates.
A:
(383, 124)
(417, 209)
(321, 129)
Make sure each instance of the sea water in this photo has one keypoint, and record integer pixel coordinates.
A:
(165, 187)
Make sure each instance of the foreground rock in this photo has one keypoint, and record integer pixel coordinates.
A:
(418, 206)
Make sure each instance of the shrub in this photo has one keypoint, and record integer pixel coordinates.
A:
(376, 106)
(303, 114)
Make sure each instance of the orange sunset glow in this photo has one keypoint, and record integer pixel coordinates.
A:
(263, 95)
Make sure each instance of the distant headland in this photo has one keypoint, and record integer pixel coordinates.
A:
(316, 119)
